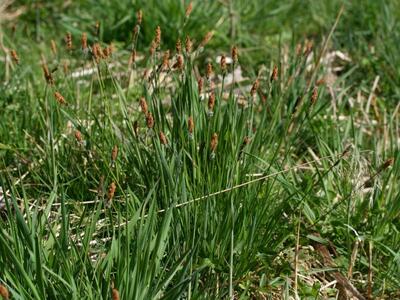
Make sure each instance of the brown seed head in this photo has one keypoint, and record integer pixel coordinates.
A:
(47, 75)
(68, 41)
(314, 95)
(165, 63)
(153, 47)
(60, 99)
(190, 124)
(188, 10)
(78, 136)
(84, 41)
(53, 47)
(214, 142)
(149, 120)
(178, 46)
(234, 54)
(143, 105)
(107, 52)
(163, 138)
(211, 101)
(223, 63)
(386, 164)
(14, 56)
(114, 153)
(139, 16)
(157, 37)
(132, 57)
(255, 87)
(115, 294)
(179, 63)
(188, 45)
(206, 39)
(274, 75)
(200, 85)
(111, 192)
(209, 71)
(100, 187)
(4, 292)
(97, 52)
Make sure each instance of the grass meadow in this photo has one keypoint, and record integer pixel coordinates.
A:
(199, 150)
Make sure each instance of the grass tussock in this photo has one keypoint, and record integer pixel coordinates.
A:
(173, 164)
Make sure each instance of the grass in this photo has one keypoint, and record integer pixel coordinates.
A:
(279, 182)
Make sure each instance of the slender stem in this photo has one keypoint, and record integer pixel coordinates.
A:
(231, 255)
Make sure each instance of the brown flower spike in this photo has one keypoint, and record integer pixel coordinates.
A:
(314, 95)
(188, 45)
(206, 39)
(209, 71)
(115, 294)
(143, 105)
(114, 153)
(234, 54)
(68, 41)
(163, 138)
(111, 192)
(188, 10)
(214, 142)
(47, 75)
(14, 56)
(132, 57)
(78, 136)
(165, 63)
(153, 47)
(255, 87)
(4, 292)
(60, 99)
(179, 63)
(84, 41)
(190, 125)
(149, 120)
(211, 101)
(178, 46)
(157, 38)
(274, 75)
(200, 85)
(223, 64)
(107, 51)
(97, 52)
